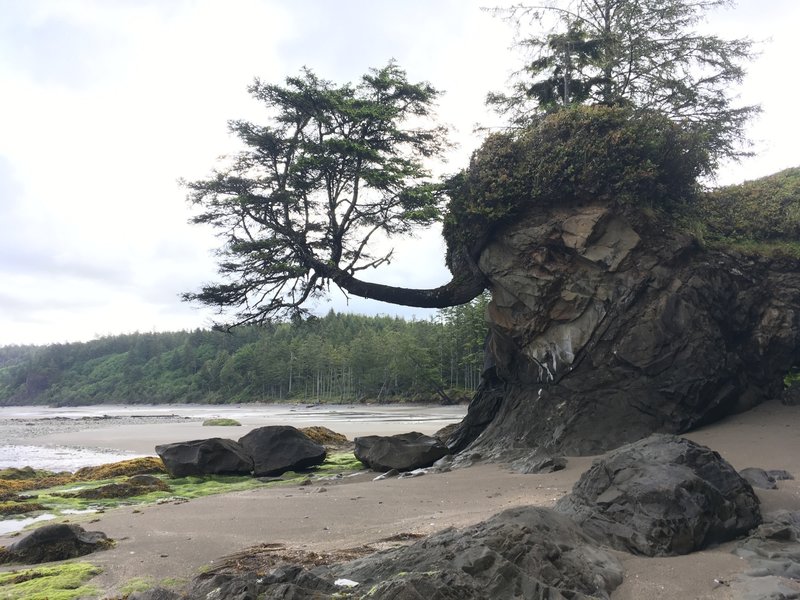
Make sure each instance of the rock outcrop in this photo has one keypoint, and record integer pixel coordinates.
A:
(662, 496)
(607, 326)
(404, 451)
(528, 552)
(276, 449)
(213, 456)
(54, 542)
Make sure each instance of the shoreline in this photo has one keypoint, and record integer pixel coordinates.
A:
(124, 431)
(164, 541)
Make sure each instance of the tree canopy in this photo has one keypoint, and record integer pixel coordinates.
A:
(301, 206)
(644, 54)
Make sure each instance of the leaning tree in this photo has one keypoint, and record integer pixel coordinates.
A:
(333, 167)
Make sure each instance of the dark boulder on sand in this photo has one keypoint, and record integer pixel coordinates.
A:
(279, 448)
(404, 452)
(526, 552)
(54, 542)
(213, 456)
(662, 496)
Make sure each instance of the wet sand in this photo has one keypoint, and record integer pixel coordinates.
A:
(169, 541)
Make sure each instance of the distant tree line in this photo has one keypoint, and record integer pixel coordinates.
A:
(337, 358)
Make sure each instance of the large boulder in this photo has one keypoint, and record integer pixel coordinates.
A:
(279, 448)
(213, 456)
(527, 552)
(607, 325)
(404, 451)
(662, 496)
(54, 542)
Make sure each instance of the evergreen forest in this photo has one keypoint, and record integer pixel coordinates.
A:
(339, 358)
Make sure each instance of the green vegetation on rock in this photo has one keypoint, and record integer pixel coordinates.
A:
(577, 155)
(761, 216)
(62, 582)
(340, 462)
(221, 422)
(110, 493)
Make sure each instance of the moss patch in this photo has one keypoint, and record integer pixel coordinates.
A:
(118, 491)
(62, 582)
(219, 422)
(340, 462)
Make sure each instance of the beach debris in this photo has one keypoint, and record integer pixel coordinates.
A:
(54, 542)
(404, 451)
(343, 582)
(213, 456)
(276, 449)
(662, 496)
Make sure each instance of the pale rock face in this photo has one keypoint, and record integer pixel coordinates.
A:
(606, 327)
(551, 283)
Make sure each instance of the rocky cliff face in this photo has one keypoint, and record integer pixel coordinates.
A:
(606, 327)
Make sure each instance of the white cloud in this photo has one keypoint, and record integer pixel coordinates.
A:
(107, 104)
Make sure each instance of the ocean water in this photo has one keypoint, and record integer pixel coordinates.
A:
(58, 458)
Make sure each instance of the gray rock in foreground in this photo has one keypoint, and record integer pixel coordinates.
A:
(279, 448)
(54, 542)
(526, 552)
(214, 456)
(662, 496)
(773, 554)
(404, 452)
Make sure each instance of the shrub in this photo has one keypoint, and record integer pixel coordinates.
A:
(578, 155)
(762, 210)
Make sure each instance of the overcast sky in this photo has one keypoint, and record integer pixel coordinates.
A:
(105, 104)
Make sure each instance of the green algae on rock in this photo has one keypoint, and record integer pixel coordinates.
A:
(61, 582)
(221, 422)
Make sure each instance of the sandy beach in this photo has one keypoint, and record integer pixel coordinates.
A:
(177, 540)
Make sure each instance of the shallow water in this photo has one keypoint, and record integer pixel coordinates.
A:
(24, 429)
(57, 458)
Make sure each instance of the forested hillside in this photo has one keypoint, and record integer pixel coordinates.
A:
(338, 358)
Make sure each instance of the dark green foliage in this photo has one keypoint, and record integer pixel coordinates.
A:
(333, 168)
(765, 210)
(338, 358)
(642, 54)
(578, 155)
